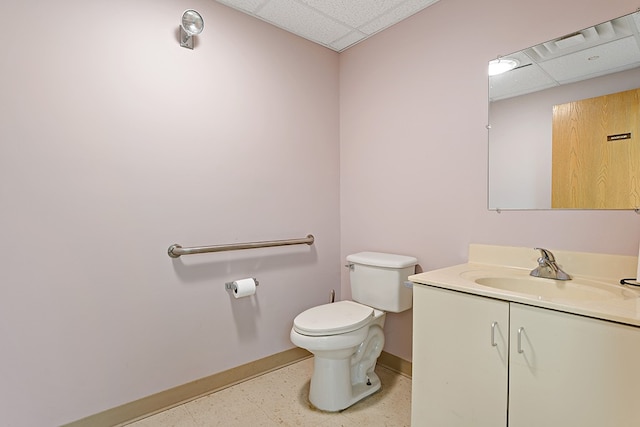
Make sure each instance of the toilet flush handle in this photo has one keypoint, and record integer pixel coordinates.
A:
(349, 265)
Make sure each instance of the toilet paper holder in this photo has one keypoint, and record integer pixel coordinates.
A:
(230, 285)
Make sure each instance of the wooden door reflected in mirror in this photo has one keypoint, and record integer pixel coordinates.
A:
(596, 152)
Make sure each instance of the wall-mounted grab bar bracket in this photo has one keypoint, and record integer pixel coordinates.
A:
(175, 250)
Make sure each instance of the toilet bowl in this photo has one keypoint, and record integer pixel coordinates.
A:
(346, 339)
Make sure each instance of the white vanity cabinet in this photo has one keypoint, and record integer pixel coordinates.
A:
(480, 361)
(569, 370)
(460, 359)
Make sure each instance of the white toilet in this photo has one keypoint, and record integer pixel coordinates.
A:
(346, 337)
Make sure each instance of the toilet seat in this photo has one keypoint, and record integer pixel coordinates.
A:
(333, 319)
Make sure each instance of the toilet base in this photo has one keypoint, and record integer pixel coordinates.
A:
(360, 391)
(331, 389)
(343, 377)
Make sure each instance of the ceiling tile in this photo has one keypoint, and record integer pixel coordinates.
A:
(353, 12)
(620, 54)
(528, 78)
(395, 15)
(244, 5)
(303, 20)
(348, 40)
(636, 20)
(336, 24)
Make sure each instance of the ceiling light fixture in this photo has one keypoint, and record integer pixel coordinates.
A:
(191, 25)
(501, 65)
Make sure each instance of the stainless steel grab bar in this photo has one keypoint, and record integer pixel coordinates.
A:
(175, 250)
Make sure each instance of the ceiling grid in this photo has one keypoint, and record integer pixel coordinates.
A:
(335, 24)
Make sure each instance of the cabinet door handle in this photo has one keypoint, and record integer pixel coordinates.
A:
(520, 331)
(493, 334)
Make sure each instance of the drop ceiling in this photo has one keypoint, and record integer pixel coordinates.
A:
(335, 24)
(606, 48)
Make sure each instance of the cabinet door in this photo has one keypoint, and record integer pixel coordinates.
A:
(460, 359)
(568, 370)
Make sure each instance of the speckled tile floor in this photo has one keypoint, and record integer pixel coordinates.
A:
(280, 398)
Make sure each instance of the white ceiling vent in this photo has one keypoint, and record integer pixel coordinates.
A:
(584, 39)
(569, 41)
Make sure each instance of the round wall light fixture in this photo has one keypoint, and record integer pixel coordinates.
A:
(501, 65)
(191, 25)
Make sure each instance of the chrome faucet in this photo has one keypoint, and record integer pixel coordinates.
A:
(547, 267)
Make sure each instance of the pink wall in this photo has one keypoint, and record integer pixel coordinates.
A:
(413, 142)
(116, 143)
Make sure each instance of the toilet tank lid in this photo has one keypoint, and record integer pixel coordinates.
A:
(379, 259)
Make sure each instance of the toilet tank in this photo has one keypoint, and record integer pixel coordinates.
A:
(378, 280)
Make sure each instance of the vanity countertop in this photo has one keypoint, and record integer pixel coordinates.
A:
(600, 273)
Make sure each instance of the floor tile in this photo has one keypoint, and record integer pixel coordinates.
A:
(174, 417)
(281, 398)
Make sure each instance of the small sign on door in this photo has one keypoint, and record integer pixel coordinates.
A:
(619, 136)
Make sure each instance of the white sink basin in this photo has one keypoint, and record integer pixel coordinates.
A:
(555, 290)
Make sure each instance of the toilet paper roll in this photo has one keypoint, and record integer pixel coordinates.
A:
(244, 288)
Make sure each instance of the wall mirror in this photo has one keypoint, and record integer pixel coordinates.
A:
(578, 92)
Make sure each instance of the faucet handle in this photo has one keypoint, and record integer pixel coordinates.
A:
(546, 254)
